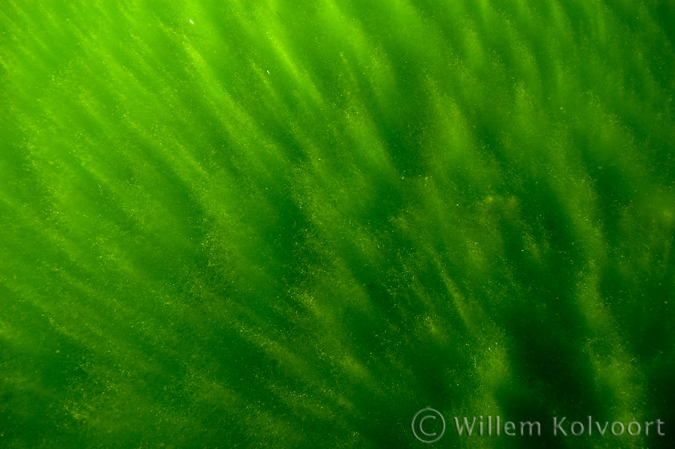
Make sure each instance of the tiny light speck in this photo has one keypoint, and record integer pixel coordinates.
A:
(191, 22)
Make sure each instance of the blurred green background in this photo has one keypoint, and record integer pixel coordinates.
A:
(293, 224)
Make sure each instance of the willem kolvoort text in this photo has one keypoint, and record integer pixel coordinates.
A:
(560, 427)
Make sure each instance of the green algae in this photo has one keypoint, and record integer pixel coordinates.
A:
(246, 224)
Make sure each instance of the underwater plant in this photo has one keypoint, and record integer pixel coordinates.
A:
(297, 224)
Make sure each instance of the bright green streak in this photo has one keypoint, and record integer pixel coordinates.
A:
(265, 224)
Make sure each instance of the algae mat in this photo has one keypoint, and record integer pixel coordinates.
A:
(298, 224)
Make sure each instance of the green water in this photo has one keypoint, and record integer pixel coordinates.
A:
(294, 224)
